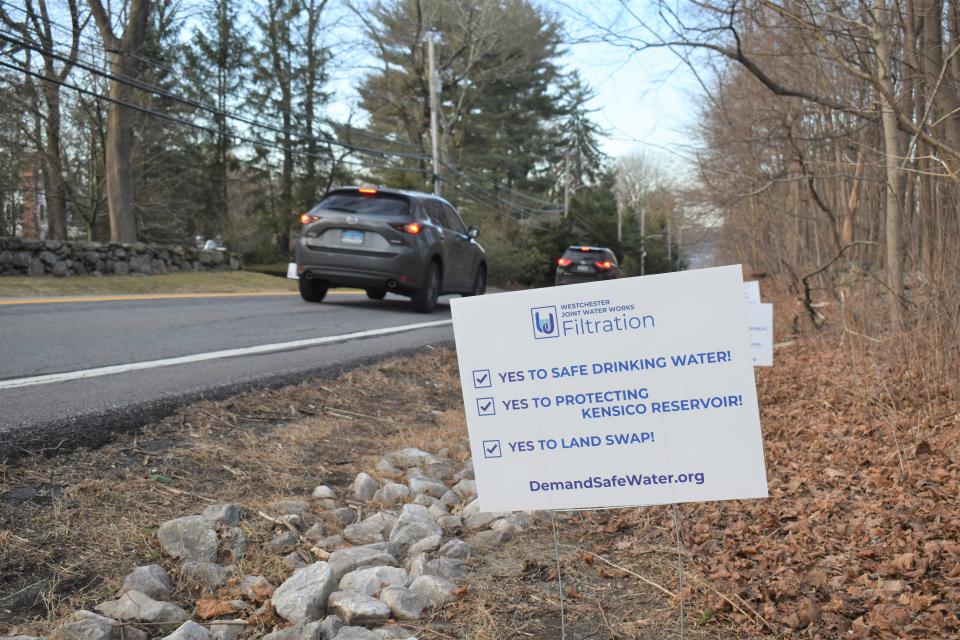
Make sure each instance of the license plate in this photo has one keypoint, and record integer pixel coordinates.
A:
(582, 268)
(348, 236)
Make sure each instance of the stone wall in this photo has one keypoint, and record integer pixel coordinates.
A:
(52, 257)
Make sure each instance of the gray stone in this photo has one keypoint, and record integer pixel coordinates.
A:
(204, 575)
(87, 625)
(150, 579)
(60, 269)
(452, 569)
(315, 533)
(344, 515)
(455, 548)
(292, 520)
(286, 507)
(490, 539)
(303, 596)
(364, 532)
(191, 538)
(283, 542)
(414, 524)
(357, 608)
(36, 268)
(384, 468)
(235, 542)
(189, 630)
(323, 492)
(425, 500)
(441, 470)
(437, 591)
(450, 499)
(406, 458)
(513, 523)
(364, 487)
(404, 604)
(393, 632)
(391, 493)
(287, 633)
(48, 258)
(438, 510)
(121, 268)
(356, 633)
(21, 637)
(344, 561)
(371, 580)
(417, 566)
(430, 543)
(256, 588)
(139, 607)
(329, 628)
(225, 514)
(473, 518)
(226, 629)
(330, 542)
(427, 486)
(450, 523)
(466, 489)
(293, 561)
(22, 259)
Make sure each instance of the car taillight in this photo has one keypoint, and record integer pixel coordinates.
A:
(564, 262)
(306, 218)
(413, 228)
(606, 264)
(367, 191)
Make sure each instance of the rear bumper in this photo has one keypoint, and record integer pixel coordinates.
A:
(402, 271)
(572, 278)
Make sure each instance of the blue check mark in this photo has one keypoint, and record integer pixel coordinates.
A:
(491, 449)
(482, 379)
(486, 407)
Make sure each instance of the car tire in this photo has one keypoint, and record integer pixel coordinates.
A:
(425, 298)
(376, 294)
(479, 283)
(312, 291)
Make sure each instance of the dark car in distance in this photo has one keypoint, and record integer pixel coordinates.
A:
(381, 240)
(586, 264)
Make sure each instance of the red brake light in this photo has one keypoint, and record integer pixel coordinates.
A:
(563, 262)
(367, 191)
(606, 264)
(413, 228)
(306, 218)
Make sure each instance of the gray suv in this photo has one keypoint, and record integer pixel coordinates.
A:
(381, 240)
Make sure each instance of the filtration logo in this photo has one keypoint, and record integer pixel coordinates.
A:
(545, 324)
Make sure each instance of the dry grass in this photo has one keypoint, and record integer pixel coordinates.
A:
(181, 282)
(71, 528)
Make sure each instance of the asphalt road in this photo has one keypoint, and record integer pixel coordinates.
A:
(73, 373)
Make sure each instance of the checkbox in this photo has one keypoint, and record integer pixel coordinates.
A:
(486, 407)
(482, 379)
(491, 449)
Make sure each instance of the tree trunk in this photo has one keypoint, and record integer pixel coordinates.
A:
(891, 146)
(55, 190)
(123, 221)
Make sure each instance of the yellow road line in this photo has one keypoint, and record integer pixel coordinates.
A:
(162, 296)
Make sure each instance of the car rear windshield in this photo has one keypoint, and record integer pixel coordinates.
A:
(592, 256)
(381, 204)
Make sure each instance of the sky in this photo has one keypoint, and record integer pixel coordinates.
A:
(646, 102)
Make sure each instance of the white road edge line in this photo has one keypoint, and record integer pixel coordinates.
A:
(213, 355)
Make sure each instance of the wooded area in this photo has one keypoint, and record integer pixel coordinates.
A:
(164, 120)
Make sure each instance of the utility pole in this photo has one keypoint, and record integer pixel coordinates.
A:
(619, 222)
(434, 113)
(566, 183)
(643, 240)
(669, 245)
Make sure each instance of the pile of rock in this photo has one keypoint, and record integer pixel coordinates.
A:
(396, 555)
(20, 257)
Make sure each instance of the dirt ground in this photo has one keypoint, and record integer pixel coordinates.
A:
(859, 538)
